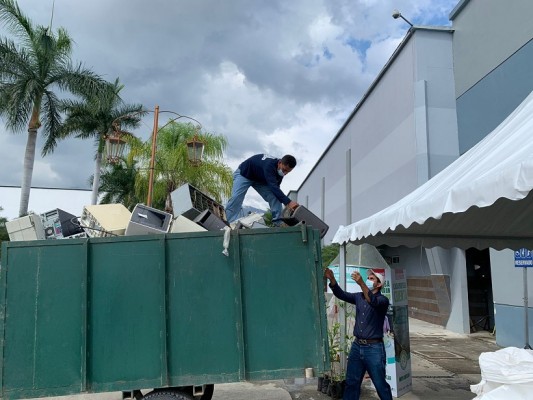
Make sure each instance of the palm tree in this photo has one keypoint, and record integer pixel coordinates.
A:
(97, 117)
(118, 183)
(173, 168)
(31, 72)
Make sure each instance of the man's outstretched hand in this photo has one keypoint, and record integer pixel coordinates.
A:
(356, 276)
(293, 205)
(329, 275)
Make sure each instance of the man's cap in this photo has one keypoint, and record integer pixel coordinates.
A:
(379, 276)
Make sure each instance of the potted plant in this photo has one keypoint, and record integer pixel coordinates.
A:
(336, 387)
(338, 350)
(320, 382)
(335, 352)
(325, 384)
(334, 382)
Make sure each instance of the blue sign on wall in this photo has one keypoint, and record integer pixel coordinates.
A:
(523, 258)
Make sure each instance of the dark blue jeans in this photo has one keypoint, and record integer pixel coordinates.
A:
(362, 358)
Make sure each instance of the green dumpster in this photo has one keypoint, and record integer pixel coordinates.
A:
(123, 313)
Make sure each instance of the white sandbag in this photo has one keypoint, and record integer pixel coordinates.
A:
(484, 387)
(519, 391)
(509, 365)
(505, 374)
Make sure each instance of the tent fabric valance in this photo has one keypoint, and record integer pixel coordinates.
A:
(481, 200)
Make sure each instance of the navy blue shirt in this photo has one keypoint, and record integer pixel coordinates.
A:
(369, 317)
(263, 168)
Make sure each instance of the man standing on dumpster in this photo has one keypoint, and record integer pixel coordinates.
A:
(264, 173)
(367, 352)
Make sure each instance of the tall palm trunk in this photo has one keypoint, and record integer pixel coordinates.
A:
(96, 178)
(29, 160)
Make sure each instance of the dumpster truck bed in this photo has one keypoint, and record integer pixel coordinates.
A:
(122, 313)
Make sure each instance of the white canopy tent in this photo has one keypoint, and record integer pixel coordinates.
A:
(481, 200)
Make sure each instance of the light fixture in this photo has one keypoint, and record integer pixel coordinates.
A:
(195, 150)
(114, 146)
(397, 14)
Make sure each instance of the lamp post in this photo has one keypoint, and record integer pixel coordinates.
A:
(195, 147)
(397, 14)
(152, 157)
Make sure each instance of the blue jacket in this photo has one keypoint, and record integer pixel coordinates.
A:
(263, 168)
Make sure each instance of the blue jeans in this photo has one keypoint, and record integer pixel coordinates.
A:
(362, 358)
(240, 187)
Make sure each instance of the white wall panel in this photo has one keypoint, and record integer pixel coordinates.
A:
(387, 155)
(487, 32)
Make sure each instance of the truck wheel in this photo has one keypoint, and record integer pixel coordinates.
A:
(162, 395)
(208, 392)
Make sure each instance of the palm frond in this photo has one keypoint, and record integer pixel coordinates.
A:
(14, 62)
(79, 81)
(15, 20)
(64, 42)
(117, 184)
(17, 103)
(51, 122)
(173, 169)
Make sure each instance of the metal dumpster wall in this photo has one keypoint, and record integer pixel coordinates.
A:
(106, 314)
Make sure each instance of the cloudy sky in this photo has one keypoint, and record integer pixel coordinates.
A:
(273, 76)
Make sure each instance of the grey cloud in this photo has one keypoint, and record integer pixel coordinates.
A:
(169, 53)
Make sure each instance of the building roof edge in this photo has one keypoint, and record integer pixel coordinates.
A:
(374, 83)
(457, 9)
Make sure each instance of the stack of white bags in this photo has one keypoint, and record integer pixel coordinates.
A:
(506, 374)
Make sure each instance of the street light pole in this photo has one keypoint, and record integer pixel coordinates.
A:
(195, 148)
(152, 158)
(396, 14)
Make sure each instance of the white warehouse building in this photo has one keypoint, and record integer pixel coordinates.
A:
(442, 91)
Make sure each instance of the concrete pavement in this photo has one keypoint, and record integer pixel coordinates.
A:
(444, 365)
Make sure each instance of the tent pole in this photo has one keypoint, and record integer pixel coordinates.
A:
(526, 324)
(342, 311)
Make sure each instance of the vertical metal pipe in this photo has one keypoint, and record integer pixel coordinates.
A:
(348, 186)
(84, 264)
(165, 311)
(342, 311)
(526, 309)
(323, 202)
(152, 158)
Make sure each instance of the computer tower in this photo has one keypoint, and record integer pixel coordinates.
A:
(304, 216)
(183, 224)
(146, 220)
(190, 202)
(29, 227)
(210, 221)
(59, 224)
(102, 220)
